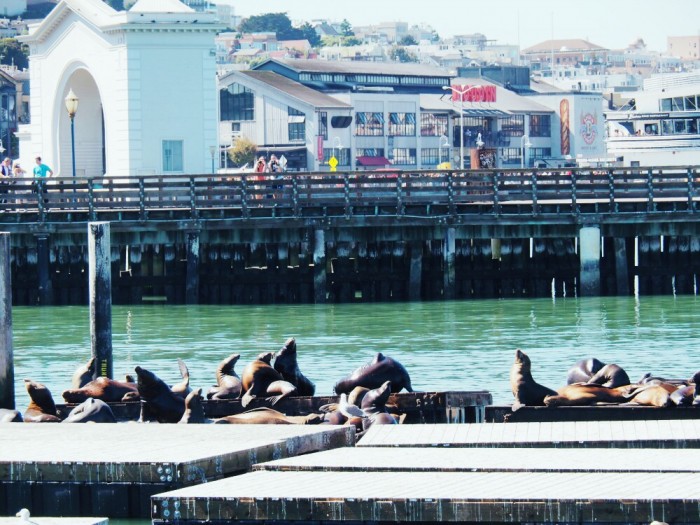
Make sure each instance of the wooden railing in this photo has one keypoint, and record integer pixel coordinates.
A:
(428, 193)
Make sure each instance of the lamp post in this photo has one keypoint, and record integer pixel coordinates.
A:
(72, 107)
(461, 93)
(524, 144)
(212, 151)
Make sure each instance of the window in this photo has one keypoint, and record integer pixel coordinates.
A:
(404, 156)
(432, 156)
(237, 103)
(323, 124)
(296, 125)
(402, 124)
(513, 126)
(433, 125)
(172, 156)
(539, 153)
(540, 126)
(511, 156)
(342, 154)
(369, 124)
(369, 152)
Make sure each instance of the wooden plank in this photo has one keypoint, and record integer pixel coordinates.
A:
(143, 453)
(504, 497)
(371, 459)
(499, 414)
(623, 434)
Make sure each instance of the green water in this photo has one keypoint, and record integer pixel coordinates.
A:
(444, 345)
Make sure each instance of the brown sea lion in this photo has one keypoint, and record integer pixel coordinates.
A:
(183, 387)
(103, 388)
(259, 378)
(41, 408)
(526, 391)
(583, 370)
(653, 395)
(583, 394)
(194, 411)
(158, 399)
(83, 374)
(287, 365)
(375, 374)
(91, 411)
(268, 416)
(374, 407)
(228, 384)
(8, 415)
(611, 376)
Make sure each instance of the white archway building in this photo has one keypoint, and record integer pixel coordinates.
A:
(146, 83)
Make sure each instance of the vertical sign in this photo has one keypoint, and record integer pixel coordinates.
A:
(564, 121)
(319, 148)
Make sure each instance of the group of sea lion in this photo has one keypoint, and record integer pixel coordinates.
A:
(591, 382)
(271, 375)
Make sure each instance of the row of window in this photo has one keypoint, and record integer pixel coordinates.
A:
(373, 79)
(689, 103)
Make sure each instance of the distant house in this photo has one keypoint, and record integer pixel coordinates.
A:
(569, 52)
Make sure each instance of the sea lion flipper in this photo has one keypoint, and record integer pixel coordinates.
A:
(247, 398)
(184, 371)
(273, 400)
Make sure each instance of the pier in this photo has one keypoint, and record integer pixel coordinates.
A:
(360, 236)
(603, 472)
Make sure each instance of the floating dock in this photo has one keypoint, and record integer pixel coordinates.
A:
(112, 470)
(55, 521)
(603, 472)
(503, 413)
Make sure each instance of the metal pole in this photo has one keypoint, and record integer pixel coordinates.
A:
(461, 130)
(7, 374)
(72, 142)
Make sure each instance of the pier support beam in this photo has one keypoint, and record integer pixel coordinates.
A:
(192, 285)
(45, 296)
(7, 368)
(415, 275)
(621, 275)
(320, 281)
(449, 258)
(100, 277)
(589, 254)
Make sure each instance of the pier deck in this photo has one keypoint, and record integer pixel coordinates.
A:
(499, 473)
(55, 521)
(88, 470)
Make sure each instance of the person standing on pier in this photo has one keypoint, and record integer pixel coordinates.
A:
(5, 176)
(41, 170)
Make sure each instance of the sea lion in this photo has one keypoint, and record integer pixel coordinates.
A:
(103, 388)
(374, 407)
(83, 374)
(583, 370)
(581, 394)
(228, 384)
(611, 376)
(268, 416)
(91, 411)
(41, 408)
(194, 411)
(10, 416)
(259, 378)
(157, 397)
(356, 395)
(182, 388)
(375, 374)
(653, 394)
(683, 395)
(526, 391)
(287, 365)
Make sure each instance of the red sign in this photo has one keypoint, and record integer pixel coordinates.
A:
(319, 148)
(473, 93)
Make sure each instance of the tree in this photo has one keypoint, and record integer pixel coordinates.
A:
(400, 54)
(346, 28)
(408, 40)
(278, 23)
(243, 152)
(309, 33)
(12, 52)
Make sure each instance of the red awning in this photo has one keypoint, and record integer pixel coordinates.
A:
(373, 161)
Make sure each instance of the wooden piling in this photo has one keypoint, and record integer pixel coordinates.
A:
(449, 261)
(100, 297)
(589, 237)
(415, 271)
(192, 286)
(7, 374)
(45, 295)
(320, 287)
(621, 273)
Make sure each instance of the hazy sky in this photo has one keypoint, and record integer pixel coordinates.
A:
(609, 23)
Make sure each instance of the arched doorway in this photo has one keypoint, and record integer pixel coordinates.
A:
(89, 131)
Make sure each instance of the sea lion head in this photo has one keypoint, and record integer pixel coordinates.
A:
(376, 399)
(83, 374)
(148, 383)
(522, 359)
(289, 348)
(227, 365)
(266, 357)
(41, 396)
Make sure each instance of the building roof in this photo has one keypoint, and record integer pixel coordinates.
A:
(561, 46)
(371, 68)
(295, 89)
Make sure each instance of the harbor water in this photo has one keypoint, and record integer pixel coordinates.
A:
(461, 345)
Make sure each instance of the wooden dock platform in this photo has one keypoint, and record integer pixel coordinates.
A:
(55, 521)
(583, 472)
(93, 470)
(503, 413)
(606, 434)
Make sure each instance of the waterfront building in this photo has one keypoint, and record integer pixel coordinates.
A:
(146, 83)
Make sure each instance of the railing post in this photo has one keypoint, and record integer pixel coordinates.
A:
(40, 199)
(399, 195)
(651, 206)
(244, 197)
(691, 201)
(611, 190)
(496, 201)
(142, 200)
(91, 199)
(295, 195)
(451, 194)
(574, 203)
(7, 366)
(533, 183)
(346, 196)
(193, 199)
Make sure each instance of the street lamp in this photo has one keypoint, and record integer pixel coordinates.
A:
(72, 107)
(461, 93)
(524, 144)
(212, 151)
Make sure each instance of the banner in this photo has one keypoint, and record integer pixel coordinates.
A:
(469, 93)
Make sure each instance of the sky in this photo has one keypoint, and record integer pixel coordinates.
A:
(612, 24)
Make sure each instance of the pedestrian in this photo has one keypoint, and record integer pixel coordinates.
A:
(6, 167)
(5, 178)
(41, 171)
(260, 167)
